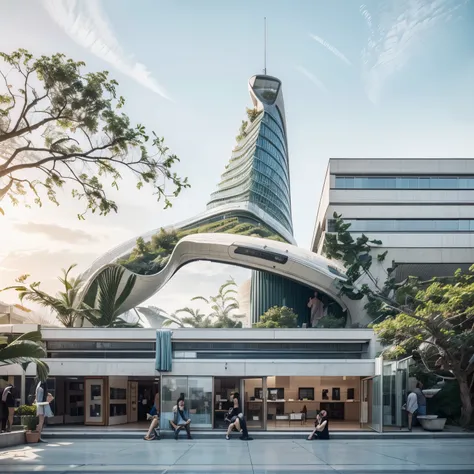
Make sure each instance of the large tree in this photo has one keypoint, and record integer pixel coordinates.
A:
(60, 124)
(431, 320)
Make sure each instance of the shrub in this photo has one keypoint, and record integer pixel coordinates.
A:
(25, 410)
(278, 317)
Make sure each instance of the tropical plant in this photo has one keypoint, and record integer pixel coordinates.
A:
(278, 317)
(62, 125)
(252, 114)
(66, 305)
(242, 131)
(224, 305)
(24, 350)
(431, 320)
(104, 301)
(188, 317)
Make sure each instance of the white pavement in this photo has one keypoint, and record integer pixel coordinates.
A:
(237, 457)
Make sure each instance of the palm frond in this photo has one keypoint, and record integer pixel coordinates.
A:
(200, 298)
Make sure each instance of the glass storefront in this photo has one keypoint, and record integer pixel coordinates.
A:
(197, 393)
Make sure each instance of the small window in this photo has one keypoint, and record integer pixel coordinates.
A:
(306, 394)
(263, 254)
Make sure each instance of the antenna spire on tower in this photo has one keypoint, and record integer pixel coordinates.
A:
(265, 45)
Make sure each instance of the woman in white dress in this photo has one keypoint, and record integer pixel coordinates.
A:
(43, 399)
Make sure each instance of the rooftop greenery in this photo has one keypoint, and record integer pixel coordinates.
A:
(148, 258)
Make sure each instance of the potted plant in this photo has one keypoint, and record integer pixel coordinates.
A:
(24, 411)
(29, 420)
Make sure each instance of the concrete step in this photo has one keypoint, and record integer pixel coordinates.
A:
(270, 435)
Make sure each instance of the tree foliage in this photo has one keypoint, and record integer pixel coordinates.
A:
(24, 350)
(431, 320)
(66, 305)
(188, 317)
(223, 307)
(61, 125)
(278, 317)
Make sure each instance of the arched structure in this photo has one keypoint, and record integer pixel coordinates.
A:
(286, 260)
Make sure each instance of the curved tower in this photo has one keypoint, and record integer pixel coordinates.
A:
(252, 199)
(257, 175)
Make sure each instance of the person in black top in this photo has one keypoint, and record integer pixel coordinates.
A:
(7, 408)
(237, 420)
(321, 426)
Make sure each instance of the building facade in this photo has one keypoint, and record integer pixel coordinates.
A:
(421, 209)
(106, 377)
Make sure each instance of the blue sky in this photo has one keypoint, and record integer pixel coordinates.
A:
(382, 78)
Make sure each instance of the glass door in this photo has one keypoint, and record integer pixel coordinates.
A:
(95, 401)
(371, 403)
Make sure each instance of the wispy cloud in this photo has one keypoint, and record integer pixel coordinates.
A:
(315, 80)
(56, 232)
(331, 48)
(395, 31)
(87, 24)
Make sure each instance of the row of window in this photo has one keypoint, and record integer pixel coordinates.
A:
(266, 183)
(267, 145)
(274, 124)
(265, 187)
(267, 132)
(271, 160)
(271, 208)
(262, 201)
(406, 225)
(234, 175)
(404, 182)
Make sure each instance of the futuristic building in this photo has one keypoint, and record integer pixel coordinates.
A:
(252, 199)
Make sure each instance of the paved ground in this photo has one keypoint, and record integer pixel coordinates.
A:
(237, 457)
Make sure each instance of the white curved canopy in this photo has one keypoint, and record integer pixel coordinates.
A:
(274, 257)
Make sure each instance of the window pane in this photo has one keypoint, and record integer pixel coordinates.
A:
(173, 388)
(464, 225)
(466, 183)
(424, 183)
(447, 183)
(199, 401)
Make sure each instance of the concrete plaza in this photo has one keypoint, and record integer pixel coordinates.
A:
(434, 456)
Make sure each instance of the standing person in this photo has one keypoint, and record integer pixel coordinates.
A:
(317, 309)
(411, 407)
(321, 426)
(421, 400)
(236, 420)
(181, 420)
(43, 410)
(8, 408)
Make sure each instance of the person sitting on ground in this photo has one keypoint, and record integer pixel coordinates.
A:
(321, 426)
(154, 430)
(181, 420)
(236, 420)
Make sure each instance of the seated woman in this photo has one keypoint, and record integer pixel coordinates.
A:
(181, 420)
(154, 430)
(321, 426)
(236, 420)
